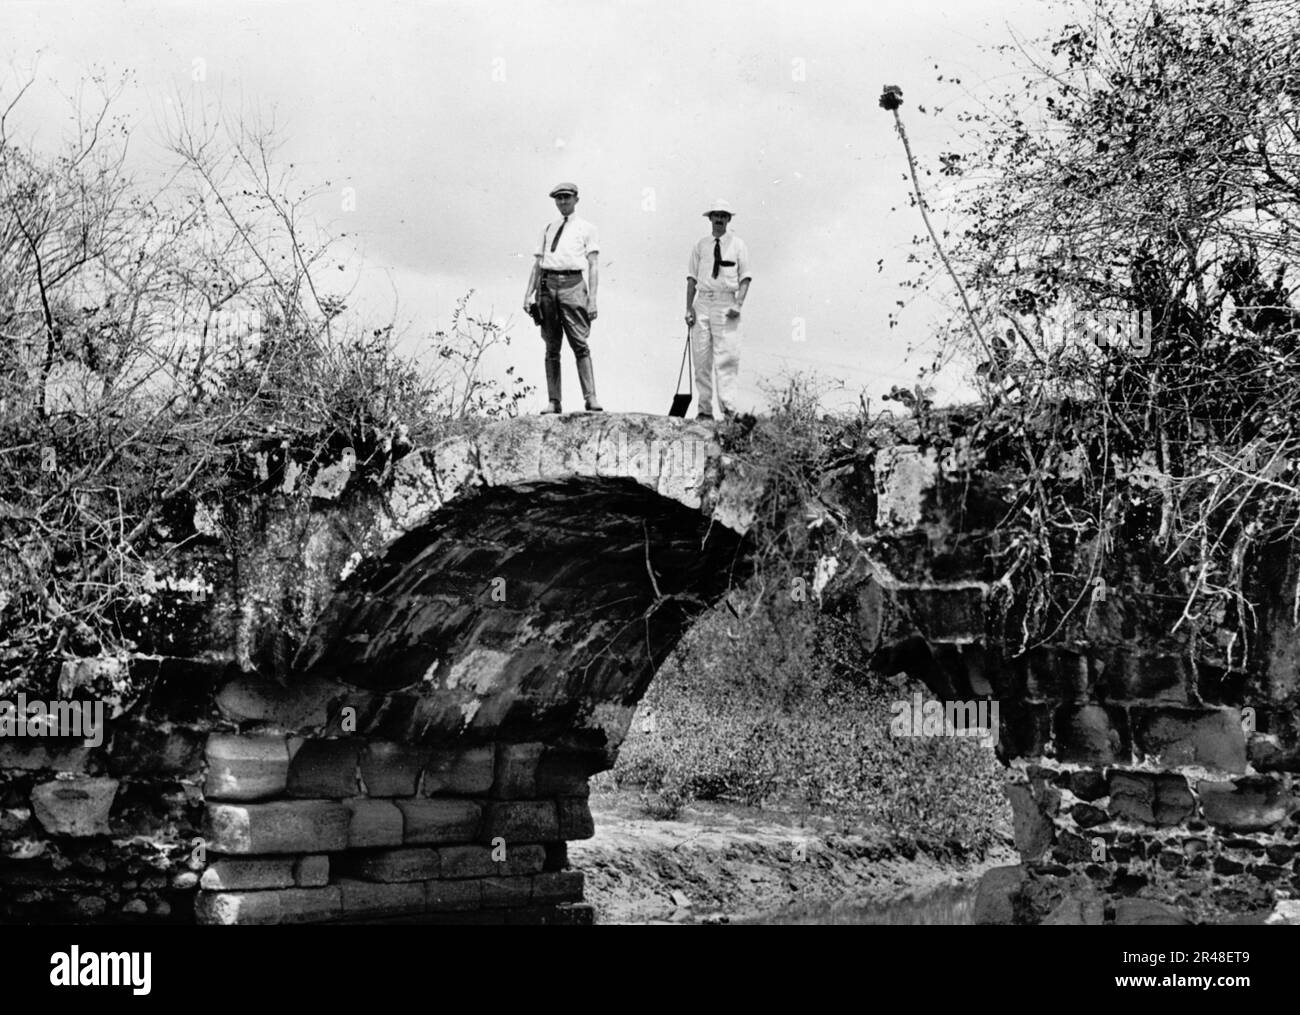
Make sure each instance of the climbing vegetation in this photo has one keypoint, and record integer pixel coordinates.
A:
(1125, 227)
(162, 346)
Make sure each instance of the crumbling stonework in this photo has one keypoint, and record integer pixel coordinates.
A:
(387, 702)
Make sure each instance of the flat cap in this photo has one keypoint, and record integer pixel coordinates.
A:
(561, 188)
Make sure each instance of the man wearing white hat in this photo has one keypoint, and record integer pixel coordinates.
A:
(566, 298)
(717, 283)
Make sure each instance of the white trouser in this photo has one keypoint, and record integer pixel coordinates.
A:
(715, 341)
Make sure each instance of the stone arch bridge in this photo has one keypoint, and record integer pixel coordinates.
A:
(383, 700)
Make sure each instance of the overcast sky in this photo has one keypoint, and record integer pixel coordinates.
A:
(452, 121)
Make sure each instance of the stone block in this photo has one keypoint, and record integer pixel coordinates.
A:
(440, 820)
(27, 754)
(500, 892)
(389, 769)
(1072, 847)
(312, 871)
(288, 905)
(1056, 674)
(561, 886)
(1033, 829)
(325, 768)
(301, 704)
(1088, 784)
(77, 807)
(1174, 800)
(459, 772)
(1281, 853)
(521, 821)
(142, 750)
(1133, 797)
(373, 823)
(1266, 754)
(1251, 804)
(1147, 913)
(1134, 676)
(371, 899)
(557, 856)
(1151, 798)
(1218, 686)
(243, 909)
(563, 775)
(244, 874)
(575, 818)
(994, 899)
(945, 613)
(310, 905)
(1087, 816)
(1211, 739)
(288, 826)
(516, 771)
(1077, 910)
(479, 862)
(396, 865)
(1091, 733)
(1023, 729)
(245, 767)
(450, 896)
(575, 914)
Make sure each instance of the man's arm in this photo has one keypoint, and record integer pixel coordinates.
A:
(742, 270)
(593, 280)
(692, 273)
(532, 282)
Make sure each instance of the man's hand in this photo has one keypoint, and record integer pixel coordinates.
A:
(591, 310)
(733, 311)
(690, 318)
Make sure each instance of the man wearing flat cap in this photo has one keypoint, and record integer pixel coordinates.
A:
(566, 300)
(717, 283)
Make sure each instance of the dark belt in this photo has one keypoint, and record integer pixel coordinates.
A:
(561, 271)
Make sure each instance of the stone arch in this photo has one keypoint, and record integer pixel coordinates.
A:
(526, 611)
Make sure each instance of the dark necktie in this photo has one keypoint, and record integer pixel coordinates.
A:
(717, 257)
(561, 230)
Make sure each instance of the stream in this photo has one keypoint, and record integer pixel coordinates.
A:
(950, 904)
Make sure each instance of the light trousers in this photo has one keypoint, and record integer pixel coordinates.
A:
(715, 343)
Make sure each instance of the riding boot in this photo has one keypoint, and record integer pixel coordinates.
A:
(588, 382)
(552, 386)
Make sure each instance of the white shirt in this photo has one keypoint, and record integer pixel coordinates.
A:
(730, 275)
(576, 242)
